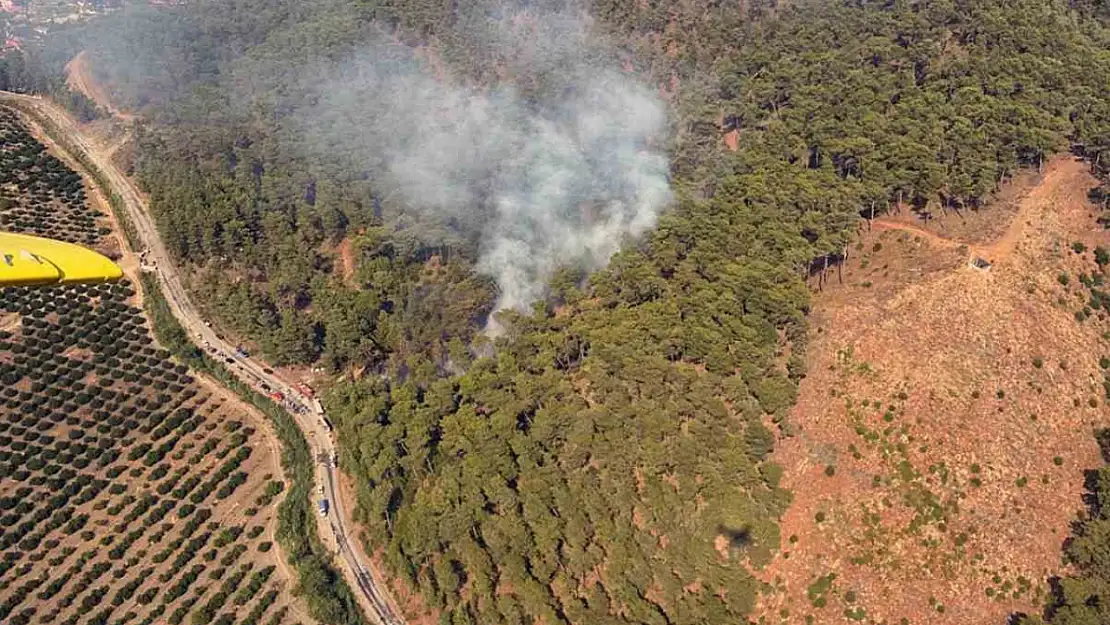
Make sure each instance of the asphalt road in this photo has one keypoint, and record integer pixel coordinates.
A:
(253, 372)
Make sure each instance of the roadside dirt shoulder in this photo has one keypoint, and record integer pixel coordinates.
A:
(414, 609)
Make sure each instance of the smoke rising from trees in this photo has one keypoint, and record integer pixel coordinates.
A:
(555, 171)
(551, 156)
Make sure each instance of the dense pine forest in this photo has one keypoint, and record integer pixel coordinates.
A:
(605, 461)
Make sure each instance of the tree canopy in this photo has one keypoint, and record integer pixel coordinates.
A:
(606, 460)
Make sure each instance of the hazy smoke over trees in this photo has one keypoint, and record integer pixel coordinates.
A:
(555, 171)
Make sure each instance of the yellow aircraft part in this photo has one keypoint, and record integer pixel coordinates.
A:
(27, 260)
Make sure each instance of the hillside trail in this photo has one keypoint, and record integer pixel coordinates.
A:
(1057, 174)
(79, 77)
(884, 223)
(108, 135)
(347, 260)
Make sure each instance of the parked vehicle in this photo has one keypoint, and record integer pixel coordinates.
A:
(323, 507)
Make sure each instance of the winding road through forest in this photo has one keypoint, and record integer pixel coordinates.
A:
(371, 591)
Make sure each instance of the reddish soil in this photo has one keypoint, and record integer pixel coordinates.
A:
(732, 140)
(933, 238)
(941, 435)
(347, 260)
(979, 225)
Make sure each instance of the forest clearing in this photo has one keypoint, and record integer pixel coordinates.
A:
(131, 491)
(943, 430)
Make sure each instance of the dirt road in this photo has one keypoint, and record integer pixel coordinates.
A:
(79, 78)
(1055, 173)
(372, 592)
(887, 224)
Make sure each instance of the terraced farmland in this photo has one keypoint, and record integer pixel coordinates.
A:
(130, 492)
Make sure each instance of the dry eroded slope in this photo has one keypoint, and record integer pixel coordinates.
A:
(942, 433)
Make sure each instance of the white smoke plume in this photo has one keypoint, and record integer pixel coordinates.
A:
(547, 182)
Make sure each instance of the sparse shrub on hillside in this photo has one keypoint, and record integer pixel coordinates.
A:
(1102, 256)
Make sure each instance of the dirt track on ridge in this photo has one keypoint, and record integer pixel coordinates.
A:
(934, 238)
(1058, 174)
(79, 78)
